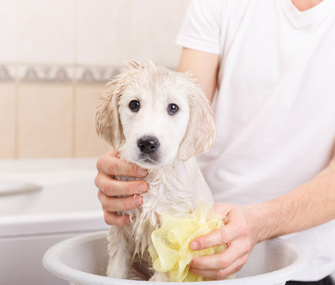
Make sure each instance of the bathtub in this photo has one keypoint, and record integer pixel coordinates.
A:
(57, 200)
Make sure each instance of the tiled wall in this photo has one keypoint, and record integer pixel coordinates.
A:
(55, 58)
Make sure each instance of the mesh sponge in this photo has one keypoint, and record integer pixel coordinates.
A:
(170, 251)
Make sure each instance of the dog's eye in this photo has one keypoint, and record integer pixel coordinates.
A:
(134, 105)
(173, 109)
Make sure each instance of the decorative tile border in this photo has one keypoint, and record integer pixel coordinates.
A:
(49, 74)
(101, 75)
(45, 74)
(7, 73)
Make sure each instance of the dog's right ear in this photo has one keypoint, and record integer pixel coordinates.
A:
(107, 120)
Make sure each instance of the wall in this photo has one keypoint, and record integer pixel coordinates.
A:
(55, 58)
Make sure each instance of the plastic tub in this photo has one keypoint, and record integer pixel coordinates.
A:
(83, 260)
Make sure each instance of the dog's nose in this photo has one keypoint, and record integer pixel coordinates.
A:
(148, 144)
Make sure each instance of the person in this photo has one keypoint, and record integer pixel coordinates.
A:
(268, 66)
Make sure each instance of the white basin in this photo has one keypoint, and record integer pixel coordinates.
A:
(83, 260)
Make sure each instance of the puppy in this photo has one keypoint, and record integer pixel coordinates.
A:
(157, 119)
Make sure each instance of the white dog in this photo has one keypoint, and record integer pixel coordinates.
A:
(159, 120)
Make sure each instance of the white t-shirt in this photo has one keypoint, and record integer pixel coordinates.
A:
(275, 106)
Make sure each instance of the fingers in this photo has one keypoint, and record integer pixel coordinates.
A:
(111, 204)
(114, 219)
(113, 187)
(219, 274)
(110, 164)
(110, 190)
(236, 233)
(221, 260)
(220, 236)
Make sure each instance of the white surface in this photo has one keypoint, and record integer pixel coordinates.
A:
(31, 222)
(21, 260)
(83, 260)
(9, 187)
(66, 202)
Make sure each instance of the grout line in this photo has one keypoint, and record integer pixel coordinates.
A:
(16, 106)
(74, 79)
(130, 29)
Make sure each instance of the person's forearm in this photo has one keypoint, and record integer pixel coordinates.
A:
(307, 206)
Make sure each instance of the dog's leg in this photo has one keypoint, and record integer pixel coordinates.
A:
(120, 253)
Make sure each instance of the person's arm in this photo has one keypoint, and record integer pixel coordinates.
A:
(204, 67)
(307, 206)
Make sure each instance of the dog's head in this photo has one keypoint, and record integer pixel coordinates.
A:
(154, 116)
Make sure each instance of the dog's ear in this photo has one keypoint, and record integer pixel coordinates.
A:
(107, 120)
(107, 123)
(201, 132)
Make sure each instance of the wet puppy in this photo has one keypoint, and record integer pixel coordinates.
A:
(159, 120)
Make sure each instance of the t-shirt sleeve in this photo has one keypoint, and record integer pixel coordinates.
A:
(202, 25)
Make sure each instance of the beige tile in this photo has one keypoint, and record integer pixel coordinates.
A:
(7, 121)
(87, 142)
(155, 25)
(46, 31)
(45, 120)
(102, 32)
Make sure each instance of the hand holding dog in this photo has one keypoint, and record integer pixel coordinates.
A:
(110, 190)
(240, 235)
(237, 233)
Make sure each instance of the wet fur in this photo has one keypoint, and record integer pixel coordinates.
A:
(176, 184)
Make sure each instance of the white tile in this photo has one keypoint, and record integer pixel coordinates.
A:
(46, 31)
(102, 32)
(155, 25)
(7, 31)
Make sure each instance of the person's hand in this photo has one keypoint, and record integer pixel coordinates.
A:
(110, 190)
(240, 236)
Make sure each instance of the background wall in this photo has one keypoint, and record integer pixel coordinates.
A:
(55, 58)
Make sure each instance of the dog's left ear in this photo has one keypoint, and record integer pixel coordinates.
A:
(201, 132)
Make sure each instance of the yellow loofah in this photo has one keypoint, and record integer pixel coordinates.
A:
(171, 252)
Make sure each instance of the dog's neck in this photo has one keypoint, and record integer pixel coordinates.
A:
(167, 189)
(169, 192)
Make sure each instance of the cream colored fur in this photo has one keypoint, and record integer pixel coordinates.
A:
(176, 184)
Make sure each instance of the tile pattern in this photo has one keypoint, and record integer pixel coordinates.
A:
(7, 73)
(45, 74)
(55, 58)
